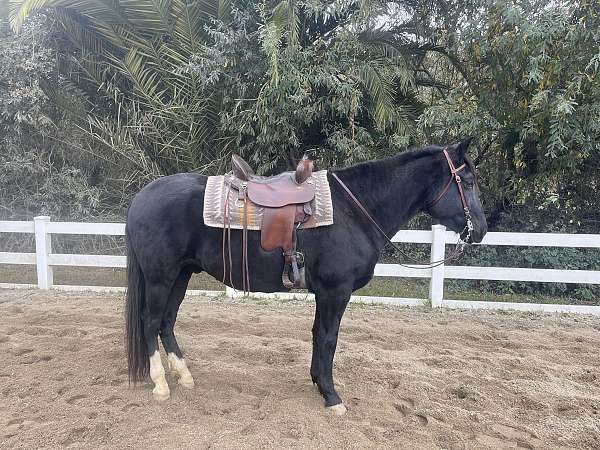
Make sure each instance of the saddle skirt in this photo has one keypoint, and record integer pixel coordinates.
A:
(215, 197)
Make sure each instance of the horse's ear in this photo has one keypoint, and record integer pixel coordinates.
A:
(463, 146)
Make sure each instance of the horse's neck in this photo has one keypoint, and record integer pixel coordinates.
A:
(391, 190)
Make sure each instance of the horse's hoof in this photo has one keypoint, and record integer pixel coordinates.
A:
(160, 395)
(186, 382)
(337, 410)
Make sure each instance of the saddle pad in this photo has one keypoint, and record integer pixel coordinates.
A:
(216, 191)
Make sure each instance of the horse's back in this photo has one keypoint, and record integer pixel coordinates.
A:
(177, 194)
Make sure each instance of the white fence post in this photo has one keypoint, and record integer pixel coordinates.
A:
(438, 253)
(43, 247)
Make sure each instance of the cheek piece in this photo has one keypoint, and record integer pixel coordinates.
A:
(454, 176)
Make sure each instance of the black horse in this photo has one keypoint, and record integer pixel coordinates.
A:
(167, 241)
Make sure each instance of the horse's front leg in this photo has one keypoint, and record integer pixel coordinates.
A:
(330, 309)
(314, 365)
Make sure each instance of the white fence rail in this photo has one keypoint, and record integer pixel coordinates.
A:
(438, 237)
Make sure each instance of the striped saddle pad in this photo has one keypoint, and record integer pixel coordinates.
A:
(215, 197)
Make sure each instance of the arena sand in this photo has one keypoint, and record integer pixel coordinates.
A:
(411, 378)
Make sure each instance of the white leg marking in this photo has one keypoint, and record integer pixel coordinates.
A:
(338, 410)
(178, 367)
(157, 373)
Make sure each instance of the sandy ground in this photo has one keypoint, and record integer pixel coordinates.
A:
(411, 378)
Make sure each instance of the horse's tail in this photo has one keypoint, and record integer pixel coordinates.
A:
(137, 354)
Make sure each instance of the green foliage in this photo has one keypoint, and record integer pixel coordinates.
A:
(322, 76)
(529, 92)
(39, 175)
(132, 57)
(311, 75)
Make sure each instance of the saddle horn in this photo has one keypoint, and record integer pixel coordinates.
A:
(304, 169)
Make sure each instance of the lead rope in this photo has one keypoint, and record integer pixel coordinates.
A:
(456, 253)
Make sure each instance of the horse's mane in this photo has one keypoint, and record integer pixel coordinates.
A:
(405, 157)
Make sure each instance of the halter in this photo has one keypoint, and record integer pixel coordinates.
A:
(460, 244)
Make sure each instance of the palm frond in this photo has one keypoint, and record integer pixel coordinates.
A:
(286, 18)
(188, 23)
(110, 12)
(80, 31)
(379, 88)
(147, 81)
(19, 10)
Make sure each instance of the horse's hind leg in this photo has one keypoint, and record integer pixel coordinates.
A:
(156, 302)
(177, 364)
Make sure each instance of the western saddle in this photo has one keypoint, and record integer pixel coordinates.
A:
(286, 199)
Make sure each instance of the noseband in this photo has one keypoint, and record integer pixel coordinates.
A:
(456, 177)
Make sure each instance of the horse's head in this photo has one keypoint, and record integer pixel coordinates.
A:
(445, 202)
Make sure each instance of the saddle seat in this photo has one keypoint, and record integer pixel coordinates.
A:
(286, 200)
(278, 190)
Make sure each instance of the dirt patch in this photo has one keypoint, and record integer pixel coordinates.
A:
(411, 378)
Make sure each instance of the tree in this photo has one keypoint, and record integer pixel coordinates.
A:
(136, 55)
(313, 78)
(168, 106)
(528, 91)
(40, 172)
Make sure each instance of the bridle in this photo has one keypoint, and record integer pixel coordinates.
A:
(460, 245)
(456, 177)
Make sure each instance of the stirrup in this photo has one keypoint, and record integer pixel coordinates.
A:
(298, 279)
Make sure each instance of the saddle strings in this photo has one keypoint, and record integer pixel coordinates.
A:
(227, 234)
(227, 238)
(245, 271)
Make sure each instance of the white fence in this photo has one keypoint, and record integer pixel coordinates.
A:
(438, 237)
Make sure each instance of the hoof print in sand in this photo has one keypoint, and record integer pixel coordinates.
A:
(506, 436)
(112, 399)
(130, 406)
(34, 359)
(406, 407)
(74, 400)
(76, 436)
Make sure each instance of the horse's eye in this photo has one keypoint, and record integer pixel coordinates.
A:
(469, 184)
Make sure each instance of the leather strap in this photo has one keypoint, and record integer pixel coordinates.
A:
(359, 204)
(243, 198)
(227, 238)
(245, 270)
(453, 176)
